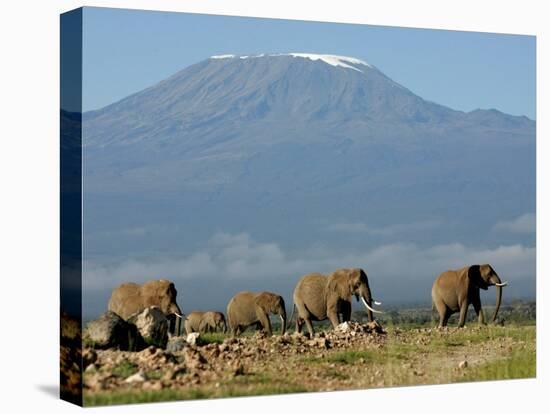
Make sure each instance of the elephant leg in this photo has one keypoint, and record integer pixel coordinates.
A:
(303, 317)
(476, 302)
(264, 320)
(309, 326)
(332, 313)
(443, 313)
(333, 317)
(445, 317)
(187, 326)
(346, 314)
(463, 312)
(442, 319)
(299, 323)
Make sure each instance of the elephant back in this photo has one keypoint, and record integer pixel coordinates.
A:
(241, 309)
(193, 320)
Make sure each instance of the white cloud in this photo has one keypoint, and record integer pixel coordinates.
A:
(246, 261)
(394, 229)
(522, 224)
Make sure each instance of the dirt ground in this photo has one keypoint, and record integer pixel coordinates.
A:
(355, 356)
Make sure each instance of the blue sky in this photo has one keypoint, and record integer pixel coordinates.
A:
(126, 51)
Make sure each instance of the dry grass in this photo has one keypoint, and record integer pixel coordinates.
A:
(407, 357)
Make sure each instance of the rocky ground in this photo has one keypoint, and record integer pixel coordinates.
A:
(352, 356)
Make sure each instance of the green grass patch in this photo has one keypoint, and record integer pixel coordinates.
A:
(124, 369)
(140, 396)
(168, 394)
(263, 390)
(518, 365)
(156, 374)
(335, 374)
(467, 336)
(250, 379)
(348, 357)
(213, 337)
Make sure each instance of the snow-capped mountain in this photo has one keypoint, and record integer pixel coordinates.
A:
(283, 145)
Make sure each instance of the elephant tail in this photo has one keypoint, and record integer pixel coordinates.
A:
(289, 322)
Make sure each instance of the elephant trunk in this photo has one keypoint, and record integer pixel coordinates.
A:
(175, 309)
(499, 299)
(282, 315)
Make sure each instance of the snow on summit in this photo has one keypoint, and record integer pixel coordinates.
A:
(333, 60)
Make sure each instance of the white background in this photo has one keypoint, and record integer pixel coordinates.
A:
(29, 207)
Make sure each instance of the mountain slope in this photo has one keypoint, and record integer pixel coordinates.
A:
(284, 145)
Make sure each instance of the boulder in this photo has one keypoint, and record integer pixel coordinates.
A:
(111, 331)
(152, 325)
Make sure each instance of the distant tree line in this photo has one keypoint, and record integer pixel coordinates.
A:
(517, 311)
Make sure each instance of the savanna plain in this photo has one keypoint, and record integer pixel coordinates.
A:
(401, 348)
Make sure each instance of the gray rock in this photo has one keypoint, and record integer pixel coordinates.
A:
(111, 331)
(344, 327)
(176, 343)
(152, 325)
(90, 368)
(137, 377)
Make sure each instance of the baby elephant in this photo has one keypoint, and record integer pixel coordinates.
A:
(203, 322)
(253, 308)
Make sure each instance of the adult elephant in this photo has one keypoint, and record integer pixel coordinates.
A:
(318, 297)
(454, 290)
(203, 322)
(253, 308)
(130, 298)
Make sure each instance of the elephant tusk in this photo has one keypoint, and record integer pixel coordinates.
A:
(501, 284)
(368, 307)
(376, 302)
(178, 315)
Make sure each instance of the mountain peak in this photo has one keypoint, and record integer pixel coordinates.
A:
(333, 60)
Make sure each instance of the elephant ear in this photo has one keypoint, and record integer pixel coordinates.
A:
(339, 283)
(474, 274)
(263, 300)
(172, 292)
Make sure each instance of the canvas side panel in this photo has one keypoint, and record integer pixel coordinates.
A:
(71, 207)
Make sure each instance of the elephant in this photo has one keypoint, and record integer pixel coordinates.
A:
(130, 298)
(202, 322)
(253, 308)
(318, 297)
(454, 290)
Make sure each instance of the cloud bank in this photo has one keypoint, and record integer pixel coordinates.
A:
(395, 229)
(522, 224)
(397, 271)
